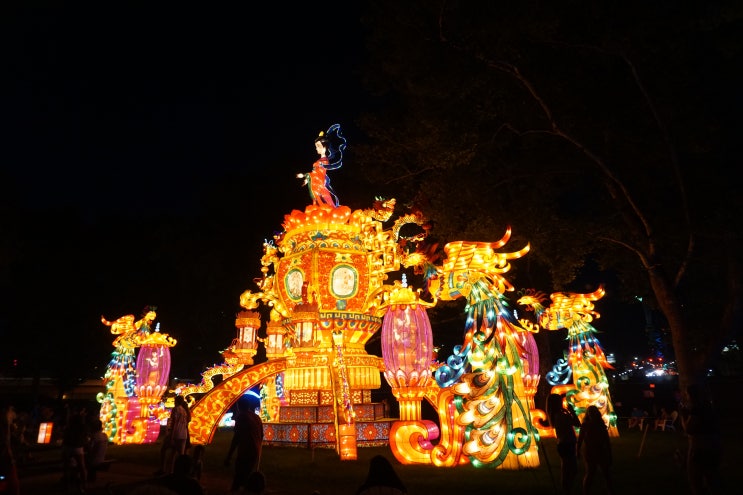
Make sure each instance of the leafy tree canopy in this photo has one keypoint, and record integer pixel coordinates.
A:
(599, 132)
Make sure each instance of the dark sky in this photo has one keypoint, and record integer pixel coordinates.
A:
(147, 145)
(103, 103)
(129, 125)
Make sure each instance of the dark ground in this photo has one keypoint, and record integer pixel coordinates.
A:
(645, 463)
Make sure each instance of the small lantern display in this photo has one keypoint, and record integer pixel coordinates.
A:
(305, 318)
(245, 345)
(275, 332)
(247, 323)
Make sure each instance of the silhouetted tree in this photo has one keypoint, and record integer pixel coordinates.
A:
(600, 132)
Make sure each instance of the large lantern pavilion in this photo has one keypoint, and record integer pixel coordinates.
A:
(325, 289)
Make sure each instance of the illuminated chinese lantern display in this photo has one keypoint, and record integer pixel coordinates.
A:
(586, 360)
(135, 383)
(323, 286)
(331, 279)
(483, 403)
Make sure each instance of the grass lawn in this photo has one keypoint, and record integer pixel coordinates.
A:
(640, 467)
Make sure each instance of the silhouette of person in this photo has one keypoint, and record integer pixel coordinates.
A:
(180, 480)
(701, 424)
(637, 418)
(381, 479)
(176, 435)
(594, 438)
(329, 146)
(247, 440)
(74, 440)
(96, 449)
(255, 484)
(197, 464)
(8, 466)
(564, 421)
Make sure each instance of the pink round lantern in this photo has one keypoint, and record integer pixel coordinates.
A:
(407, 345)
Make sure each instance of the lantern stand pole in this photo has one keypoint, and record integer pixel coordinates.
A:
(642, 443)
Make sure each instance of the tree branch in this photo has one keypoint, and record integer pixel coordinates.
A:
(673, 156)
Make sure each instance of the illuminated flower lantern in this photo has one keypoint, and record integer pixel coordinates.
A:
(407, 350)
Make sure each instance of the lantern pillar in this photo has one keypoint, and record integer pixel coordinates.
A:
(344, 413)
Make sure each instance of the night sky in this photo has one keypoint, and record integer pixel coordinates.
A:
(122, 122)
(138, 107)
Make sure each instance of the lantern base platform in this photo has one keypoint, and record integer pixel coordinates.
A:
(312, 426)
(323, 435)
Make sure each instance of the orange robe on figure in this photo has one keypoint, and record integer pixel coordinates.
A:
(318, 184)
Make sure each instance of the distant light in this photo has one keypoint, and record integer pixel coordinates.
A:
(45, 433)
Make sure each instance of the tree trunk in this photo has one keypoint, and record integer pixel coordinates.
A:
(686, 364)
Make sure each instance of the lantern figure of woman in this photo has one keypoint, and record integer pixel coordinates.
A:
(329, 145)
(153, 373)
